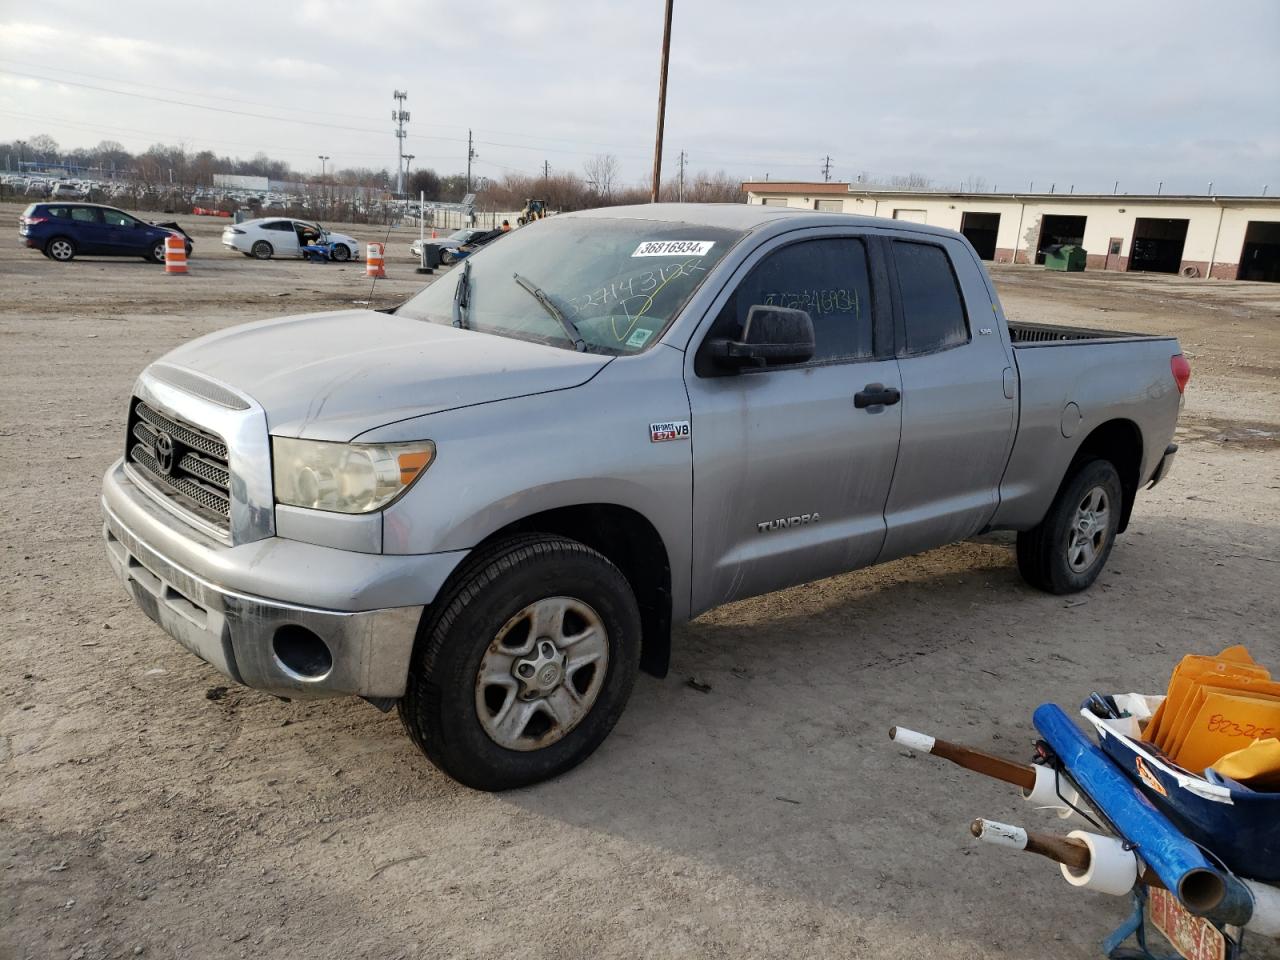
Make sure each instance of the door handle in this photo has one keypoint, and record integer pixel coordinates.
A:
(876, 395)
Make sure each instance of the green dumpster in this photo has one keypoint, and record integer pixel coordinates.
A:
(1066, 257)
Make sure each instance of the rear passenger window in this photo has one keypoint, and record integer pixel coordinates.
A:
(932, 308)
(84, 214)
(59, 212)
(827, 278)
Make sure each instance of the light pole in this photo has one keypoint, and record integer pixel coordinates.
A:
(22, 147)
(662, 104)
(322, 158)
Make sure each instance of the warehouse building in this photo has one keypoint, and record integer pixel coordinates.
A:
(1227, 238)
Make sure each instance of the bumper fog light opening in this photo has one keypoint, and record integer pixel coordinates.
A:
(301, 653)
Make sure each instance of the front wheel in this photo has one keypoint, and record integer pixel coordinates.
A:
(341, 252)
(1068, 549)
(262, 250)
(157, 254)
(447, 257)
(525, 665)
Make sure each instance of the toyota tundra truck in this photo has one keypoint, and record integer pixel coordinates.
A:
(488, 507)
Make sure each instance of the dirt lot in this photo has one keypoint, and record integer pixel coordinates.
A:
(145, 809)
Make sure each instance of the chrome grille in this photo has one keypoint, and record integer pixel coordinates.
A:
(198, 477)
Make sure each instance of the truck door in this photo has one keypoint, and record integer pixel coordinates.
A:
(791, 471)
(958, 397)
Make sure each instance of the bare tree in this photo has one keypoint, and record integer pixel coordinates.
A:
(973, 184)
(911, 181)
(602, 172)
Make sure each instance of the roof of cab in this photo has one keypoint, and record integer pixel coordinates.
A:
(746, 216)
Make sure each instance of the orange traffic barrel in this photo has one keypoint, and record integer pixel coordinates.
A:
(374, 260)
(175, 254)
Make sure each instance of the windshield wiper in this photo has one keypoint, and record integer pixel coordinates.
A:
(571, 331)
(462, 297)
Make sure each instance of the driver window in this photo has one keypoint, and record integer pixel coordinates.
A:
(829, 278)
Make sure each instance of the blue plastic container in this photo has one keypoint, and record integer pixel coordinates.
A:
(1240, 827)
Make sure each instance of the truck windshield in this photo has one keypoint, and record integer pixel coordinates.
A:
(620, 282)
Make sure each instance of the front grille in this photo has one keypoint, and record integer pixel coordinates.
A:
(197, 477)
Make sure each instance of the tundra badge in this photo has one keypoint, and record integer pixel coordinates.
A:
(782, 523)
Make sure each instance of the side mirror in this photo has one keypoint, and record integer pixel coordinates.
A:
(773, 336)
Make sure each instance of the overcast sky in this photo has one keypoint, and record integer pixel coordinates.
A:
(1079, 94)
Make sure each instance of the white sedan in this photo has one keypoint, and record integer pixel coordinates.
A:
(282, 237)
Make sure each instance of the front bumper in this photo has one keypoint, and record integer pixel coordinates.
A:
(229, 605)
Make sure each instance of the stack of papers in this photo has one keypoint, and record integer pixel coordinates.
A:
(1221, 712)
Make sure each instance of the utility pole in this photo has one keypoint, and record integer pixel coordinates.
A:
(546, 172)
(662, 105)
(471, 155)
(684, 158)
(322, 158)
(400, 116)
(826, 169)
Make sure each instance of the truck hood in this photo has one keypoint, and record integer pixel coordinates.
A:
(332, 376)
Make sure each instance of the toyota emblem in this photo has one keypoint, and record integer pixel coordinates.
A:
(162, 448)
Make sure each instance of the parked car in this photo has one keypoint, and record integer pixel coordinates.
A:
(480, 506)
(63, 231)
(269, 237)
(460, 241)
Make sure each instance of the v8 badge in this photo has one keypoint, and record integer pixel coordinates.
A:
(671, 430)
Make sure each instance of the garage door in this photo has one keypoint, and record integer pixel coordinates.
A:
(915, 216)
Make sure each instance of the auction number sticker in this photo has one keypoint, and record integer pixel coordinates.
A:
(674, 248)
(671, 430)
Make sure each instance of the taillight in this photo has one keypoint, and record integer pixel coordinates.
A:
(1181, 371)
(32, 221)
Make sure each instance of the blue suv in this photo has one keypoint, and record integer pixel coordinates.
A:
(62, 231)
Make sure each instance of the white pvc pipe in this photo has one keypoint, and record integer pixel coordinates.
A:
(1112, 869)
(1044, 795)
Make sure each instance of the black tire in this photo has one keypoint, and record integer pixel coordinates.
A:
(62, 249)
(447, 257)
(341, 252)
(439, 709)
(261, 250)
(1055, 556)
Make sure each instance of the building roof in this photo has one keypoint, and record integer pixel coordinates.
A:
(799, 187)
(795, 186)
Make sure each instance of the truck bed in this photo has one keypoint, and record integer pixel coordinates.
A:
(1039, 334)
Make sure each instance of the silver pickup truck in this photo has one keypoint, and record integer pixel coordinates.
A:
(489, 506)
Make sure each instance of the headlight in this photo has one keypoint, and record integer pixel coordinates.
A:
(346, 477)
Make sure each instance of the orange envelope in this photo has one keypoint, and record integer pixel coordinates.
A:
(1226, 722)
(1233, 661)
(1256, 765)
(1248, 686)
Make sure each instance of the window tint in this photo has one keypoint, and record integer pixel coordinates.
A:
(827, 278)
(932, 308)
(115, 218)
(85, 215)
(284, 225)
(60, 212)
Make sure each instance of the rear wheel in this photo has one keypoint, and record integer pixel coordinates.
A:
(61, 249)
(526, 664)
(1070, 546)
(262, 250)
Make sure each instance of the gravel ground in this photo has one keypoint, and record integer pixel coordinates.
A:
(146, 809)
